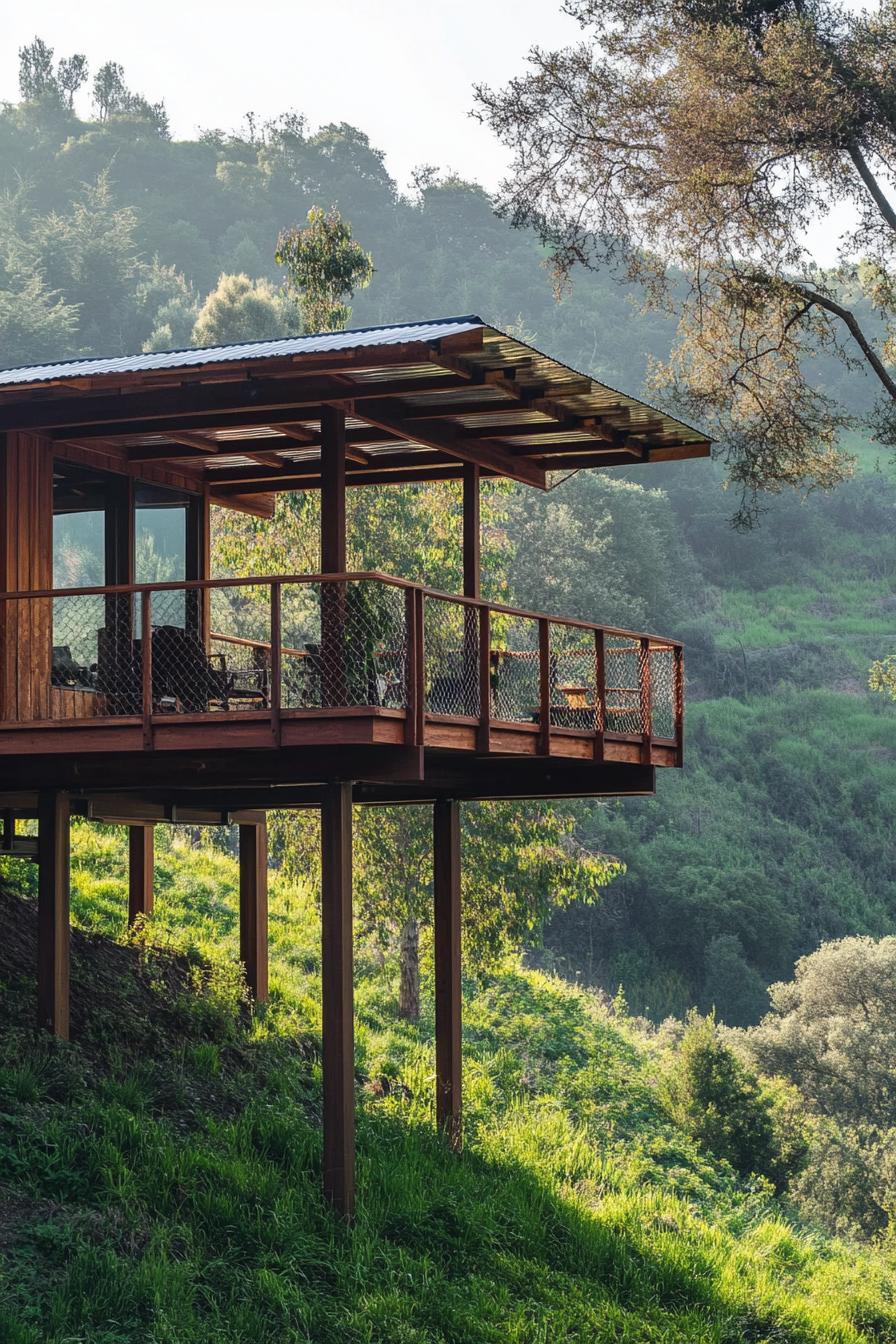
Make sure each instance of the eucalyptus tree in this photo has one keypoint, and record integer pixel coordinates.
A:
(324, 265)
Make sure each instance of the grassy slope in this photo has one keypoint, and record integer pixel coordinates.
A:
(159, 1178)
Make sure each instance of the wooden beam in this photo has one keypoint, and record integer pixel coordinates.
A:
(472, 532)
(254, 908)
(447, 957)
(141, 857)
(266, 401)
(449, 439)
(338, 998)
(53, 922)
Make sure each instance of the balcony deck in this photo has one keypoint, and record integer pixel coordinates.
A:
(299, 677)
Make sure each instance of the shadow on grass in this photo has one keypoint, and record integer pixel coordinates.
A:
(160, 1183)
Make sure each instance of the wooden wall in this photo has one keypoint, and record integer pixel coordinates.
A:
(26, 562)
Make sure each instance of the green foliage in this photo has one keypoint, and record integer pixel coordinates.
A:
(162, 1182)
(882, 676)
(238, 309)
(832, 1030)
(324, 268)
(715, 1098)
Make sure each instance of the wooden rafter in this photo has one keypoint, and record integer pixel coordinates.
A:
(448, 439)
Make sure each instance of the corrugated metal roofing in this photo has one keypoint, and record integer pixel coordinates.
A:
(358, 339)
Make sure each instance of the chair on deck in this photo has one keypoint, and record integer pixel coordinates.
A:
(186, 677)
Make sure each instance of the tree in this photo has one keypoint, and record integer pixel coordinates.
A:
(240, 309)
(113, 98)
(520, 863)
(716, 1099)
(832, 1031)
(324, 268)
(691, 147)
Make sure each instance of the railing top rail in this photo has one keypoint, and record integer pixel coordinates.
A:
(266, 580)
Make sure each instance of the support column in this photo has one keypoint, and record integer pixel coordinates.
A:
(53, 926)
(472, 532)
(338, 998)
(254, 908)
(141, 863)
(446, 938)
(472, 588)
(332, 490)
(332, 554)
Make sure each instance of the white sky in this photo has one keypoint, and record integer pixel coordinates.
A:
(401, 70)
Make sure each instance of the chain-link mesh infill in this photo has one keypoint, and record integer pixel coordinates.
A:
(451, 657)
(515, 668)
(573, 673)
(622, 681)
(663, 691)
(345, 645)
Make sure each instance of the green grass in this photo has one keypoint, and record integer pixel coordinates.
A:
(159, 1177)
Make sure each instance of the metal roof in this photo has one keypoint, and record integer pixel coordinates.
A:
(357, 339)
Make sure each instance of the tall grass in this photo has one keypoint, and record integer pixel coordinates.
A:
(159, 1179)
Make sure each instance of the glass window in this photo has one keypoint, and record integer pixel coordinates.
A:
(161, 554)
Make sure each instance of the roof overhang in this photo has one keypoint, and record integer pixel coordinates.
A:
(421, 400)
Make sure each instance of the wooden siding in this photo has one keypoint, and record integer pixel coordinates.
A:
(26, 563)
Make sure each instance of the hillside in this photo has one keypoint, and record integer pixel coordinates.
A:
(159, 1176)
(775, 838)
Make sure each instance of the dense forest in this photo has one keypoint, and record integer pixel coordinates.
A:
(775, 837)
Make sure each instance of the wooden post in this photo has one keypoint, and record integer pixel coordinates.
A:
(446, 892)
(332, 492)
(332, 554)
(644, 698)
(254, 908)
(472, 532)
(53, 927)
(338, 998)
(141, 853)
(544, 686)
(472, 580)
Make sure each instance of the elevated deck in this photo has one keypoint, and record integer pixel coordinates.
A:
(210, 684)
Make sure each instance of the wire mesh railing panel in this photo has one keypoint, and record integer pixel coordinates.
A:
(573, 678)
(622, 685)
(514, 662)
(345, 645)
(663, 691)
(451, 657)
(93, 650)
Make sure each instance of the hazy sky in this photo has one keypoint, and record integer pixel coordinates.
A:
(401, 70)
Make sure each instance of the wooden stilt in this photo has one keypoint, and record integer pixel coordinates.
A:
(254, 908)
(53, 926)
(338, 998)
(141, 862)
(446, 889)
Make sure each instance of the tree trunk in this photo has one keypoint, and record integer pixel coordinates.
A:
(409, 961)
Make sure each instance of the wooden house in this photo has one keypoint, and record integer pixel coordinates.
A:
(136, 687)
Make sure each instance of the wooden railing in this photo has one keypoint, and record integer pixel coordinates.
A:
(293, 645)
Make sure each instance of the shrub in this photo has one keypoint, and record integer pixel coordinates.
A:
(715, 1098)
